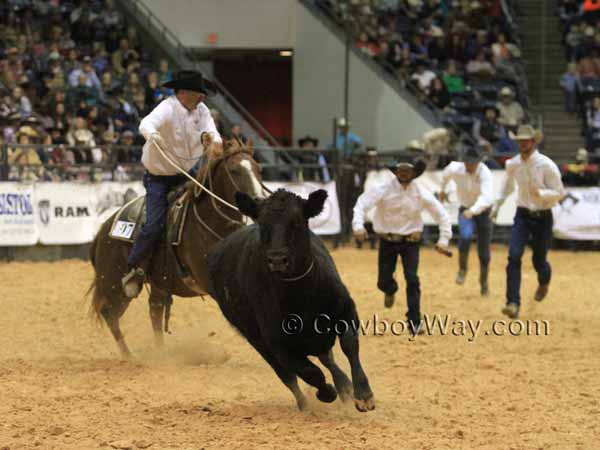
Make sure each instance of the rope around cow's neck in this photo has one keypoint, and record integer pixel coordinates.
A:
(179, 169)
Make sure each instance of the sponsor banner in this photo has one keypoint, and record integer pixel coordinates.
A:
(577, 216)
(65, 213)
(329, 221)
(17, 214)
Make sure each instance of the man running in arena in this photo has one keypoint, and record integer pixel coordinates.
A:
(397, 221)
(539, 188)
(474, 189)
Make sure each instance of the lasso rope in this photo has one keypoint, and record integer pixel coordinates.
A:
(179, 169)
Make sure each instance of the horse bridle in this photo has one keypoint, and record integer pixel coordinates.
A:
(208, 174)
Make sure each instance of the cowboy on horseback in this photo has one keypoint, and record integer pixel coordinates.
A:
(181, 126)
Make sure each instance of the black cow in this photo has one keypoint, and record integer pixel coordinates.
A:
(277, 284)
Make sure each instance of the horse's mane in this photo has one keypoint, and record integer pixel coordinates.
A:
(231, 147)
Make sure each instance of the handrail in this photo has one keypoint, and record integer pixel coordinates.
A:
(181, 50)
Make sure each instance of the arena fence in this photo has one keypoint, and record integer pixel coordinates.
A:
(60, 199)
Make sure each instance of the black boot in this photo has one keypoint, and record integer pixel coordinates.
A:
(388, 300)
(483, 280)
(462, 267)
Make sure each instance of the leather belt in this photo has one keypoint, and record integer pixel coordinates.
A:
(399, 238)
(534, 214)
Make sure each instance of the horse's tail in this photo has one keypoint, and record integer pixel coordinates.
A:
(98, 300)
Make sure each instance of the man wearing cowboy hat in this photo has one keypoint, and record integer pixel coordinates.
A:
(182, 127)
(474, 188)
(397, 220)
(540, 188)
(511, 112)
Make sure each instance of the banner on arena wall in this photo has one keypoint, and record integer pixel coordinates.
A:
(329, 221)
(17, 214)
(65, 213)
(577, 216)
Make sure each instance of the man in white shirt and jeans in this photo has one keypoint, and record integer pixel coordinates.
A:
(540, 188)
(397, 220)
(182, 127)
(474, 188)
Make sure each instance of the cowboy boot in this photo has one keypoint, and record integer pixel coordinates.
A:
(483, 280)
(462, 267)
(133, 281)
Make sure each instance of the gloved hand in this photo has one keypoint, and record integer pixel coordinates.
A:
(443, 196)
(206, 139)
(468, 214)
(158, 141)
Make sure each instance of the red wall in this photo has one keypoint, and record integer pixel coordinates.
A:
(264, 89)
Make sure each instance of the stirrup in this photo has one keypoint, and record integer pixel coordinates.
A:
(132, 282)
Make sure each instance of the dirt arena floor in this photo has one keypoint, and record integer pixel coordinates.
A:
(63, 385)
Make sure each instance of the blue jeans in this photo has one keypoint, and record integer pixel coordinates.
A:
(538, 230)
(466, 227)
(157, 190)
(388, 257)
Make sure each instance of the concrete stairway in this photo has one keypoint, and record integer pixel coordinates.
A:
(545, 62)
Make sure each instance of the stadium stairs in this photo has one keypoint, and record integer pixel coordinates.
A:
(164, 44)
(545, 62)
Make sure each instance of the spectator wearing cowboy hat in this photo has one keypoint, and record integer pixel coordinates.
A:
(474, 189)
(26, 155)
(309, 142)
(397, 220)
(182, 128)
(580, 172)
(511, 112)
(540, 188)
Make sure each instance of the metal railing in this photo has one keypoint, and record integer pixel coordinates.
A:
(143, 14)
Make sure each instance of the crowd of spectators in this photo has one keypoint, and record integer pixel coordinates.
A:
(581, 81)
(74, 82)
(458, 56)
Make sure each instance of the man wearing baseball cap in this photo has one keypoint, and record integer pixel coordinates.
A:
(182, 127)
(540, 188)
(474, 188)
(397, 221)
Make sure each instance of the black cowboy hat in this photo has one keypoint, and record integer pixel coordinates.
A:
(191, 80)
(473, 154)
(417, 163)
(308, 138)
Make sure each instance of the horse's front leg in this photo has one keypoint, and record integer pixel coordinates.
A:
(363, 396)
(158, 302)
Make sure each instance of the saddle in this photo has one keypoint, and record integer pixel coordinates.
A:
(130, 219)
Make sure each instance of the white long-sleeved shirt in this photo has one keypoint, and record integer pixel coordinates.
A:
(538, 172)
(398, 210)
(475, 191)
(181, 130)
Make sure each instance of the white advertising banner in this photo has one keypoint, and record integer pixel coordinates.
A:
(577, 216)
(329, 221)
(65, 213)
(17, 214)
(72, 213)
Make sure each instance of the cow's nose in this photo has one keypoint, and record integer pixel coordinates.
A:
(277, 260)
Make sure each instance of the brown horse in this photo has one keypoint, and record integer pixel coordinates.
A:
(208, 220)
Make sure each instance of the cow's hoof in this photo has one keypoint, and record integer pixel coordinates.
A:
(365, 405)
(327, 394)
